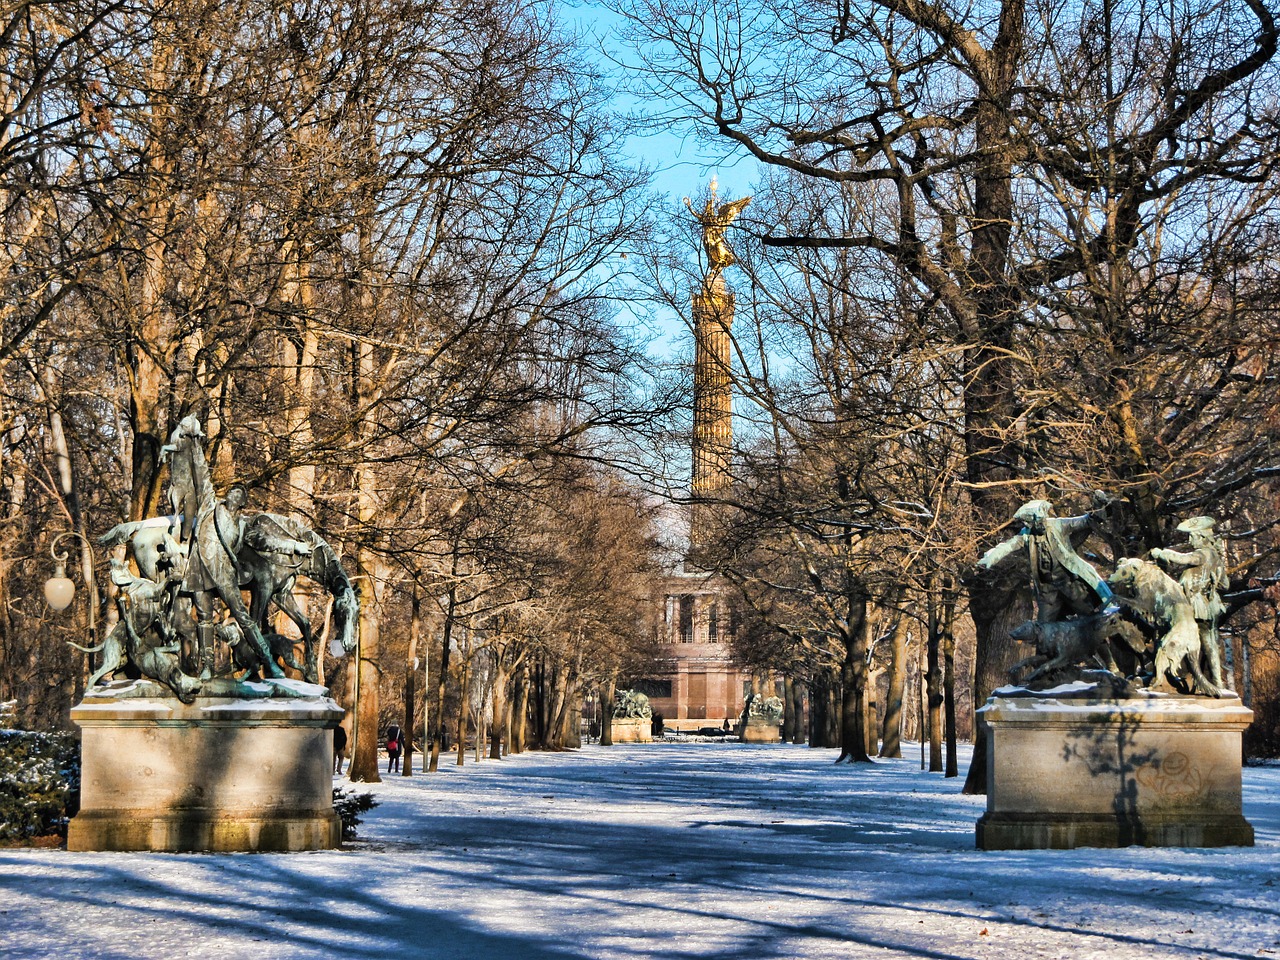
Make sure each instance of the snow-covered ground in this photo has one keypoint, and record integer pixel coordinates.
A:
(683, 851)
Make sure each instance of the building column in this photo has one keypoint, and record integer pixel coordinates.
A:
(682, 690)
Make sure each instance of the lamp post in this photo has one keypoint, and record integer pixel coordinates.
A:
(60, 590)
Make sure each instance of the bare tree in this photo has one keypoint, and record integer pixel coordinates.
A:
(1001, 159)
(363, 244)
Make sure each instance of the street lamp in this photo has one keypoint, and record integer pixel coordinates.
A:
(60, 590)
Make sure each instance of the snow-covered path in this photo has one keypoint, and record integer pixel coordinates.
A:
(673, 851)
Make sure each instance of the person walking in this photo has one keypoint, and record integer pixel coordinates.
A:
(339, 748)
(395, 746)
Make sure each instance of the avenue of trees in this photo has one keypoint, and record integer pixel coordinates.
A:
(996, 252)
(367, 244)
(999, 251)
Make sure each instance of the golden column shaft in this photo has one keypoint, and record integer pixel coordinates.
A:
(712, 389)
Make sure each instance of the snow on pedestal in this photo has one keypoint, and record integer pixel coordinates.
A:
(1158, 771)
(245, 771)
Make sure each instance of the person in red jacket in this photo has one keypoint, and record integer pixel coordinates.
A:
(395, 746)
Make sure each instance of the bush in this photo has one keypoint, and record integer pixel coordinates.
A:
(39, 783)
(349, 805)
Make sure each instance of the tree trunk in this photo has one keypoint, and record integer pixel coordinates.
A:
(817, 709)
(1246, 671)
(464, 703)
(496, 729)
(298, 363)
(426, 704)
(788, 710)
(869, 726)
(853, 741)
(539, 691)
(933, 682)
(347, 700)
(480, 716)
(607, 691)
(69, 490)
(553, 738)
(922, 699)
(507, 721)
(298, 372)
(364, 754)
(824, 708)
(891, 728)
(853, 679)
(442, 678)
(831, 732)
(146, 357)
(797, 692)
(572, 732)
(992, 457)
(410, 679)
(1003, 608)
(520, 711)
(949, 680)
(366, 377)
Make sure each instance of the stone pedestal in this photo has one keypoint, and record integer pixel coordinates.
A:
(1156, 772)
(632, 730)
(248, 770)
(761, 731)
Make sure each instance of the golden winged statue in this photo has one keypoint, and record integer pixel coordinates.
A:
(714, 219)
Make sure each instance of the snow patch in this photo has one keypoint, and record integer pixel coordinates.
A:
(630, 851)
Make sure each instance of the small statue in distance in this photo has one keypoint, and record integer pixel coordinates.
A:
(765, 709)
(630, 705)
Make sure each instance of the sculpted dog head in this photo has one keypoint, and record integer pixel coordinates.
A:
(1145, 581)
(1129, 573)
(1026, 632)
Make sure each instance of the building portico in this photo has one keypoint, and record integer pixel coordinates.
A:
(695, 682)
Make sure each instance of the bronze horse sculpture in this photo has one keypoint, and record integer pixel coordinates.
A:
(269, 575)
(212, 553)
(226, 552)
(274, 551)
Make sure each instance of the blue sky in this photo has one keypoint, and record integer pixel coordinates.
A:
(681, 165)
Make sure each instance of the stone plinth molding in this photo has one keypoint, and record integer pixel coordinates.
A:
(760, 731)
(219, 774)
(1158, 771)
(632, 730)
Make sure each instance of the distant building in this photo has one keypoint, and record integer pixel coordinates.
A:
(695, 682)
